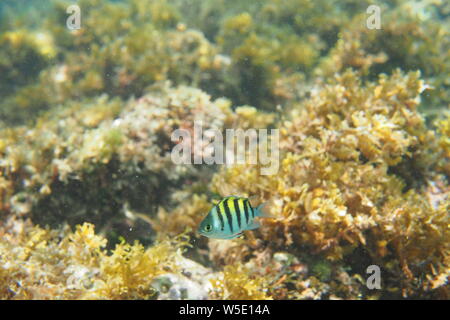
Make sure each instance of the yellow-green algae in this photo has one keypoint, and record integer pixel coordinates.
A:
(103, 149)
(85, 136)
(360, 175)
(253, 53)
(41, 263)
(362, 181)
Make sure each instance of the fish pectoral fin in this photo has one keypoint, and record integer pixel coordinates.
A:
(254, 225)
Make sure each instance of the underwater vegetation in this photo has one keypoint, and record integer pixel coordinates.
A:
(93, 207)
(101, 149)
(84, 269)
(361, 177)
(261, 53)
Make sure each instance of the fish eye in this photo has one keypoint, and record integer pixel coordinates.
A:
(208, 228)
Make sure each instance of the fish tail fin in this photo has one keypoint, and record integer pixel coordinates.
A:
(263, 210)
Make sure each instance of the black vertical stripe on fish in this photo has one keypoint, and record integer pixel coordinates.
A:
(238, 212)
(228, 213)
(252, 211)
(246, 204)
(219, 214)
(242, 212)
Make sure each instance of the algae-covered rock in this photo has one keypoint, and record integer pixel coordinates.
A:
(89, 161)
(253, 53)
(45, 264)
(192, 283)
(356, 162)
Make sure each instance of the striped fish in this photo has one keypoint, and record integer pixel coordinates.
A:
(230, 217)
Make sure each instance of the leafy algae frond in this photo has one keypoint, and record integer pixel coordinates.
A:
(344, 186)
(236, 284)
(43, 264)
